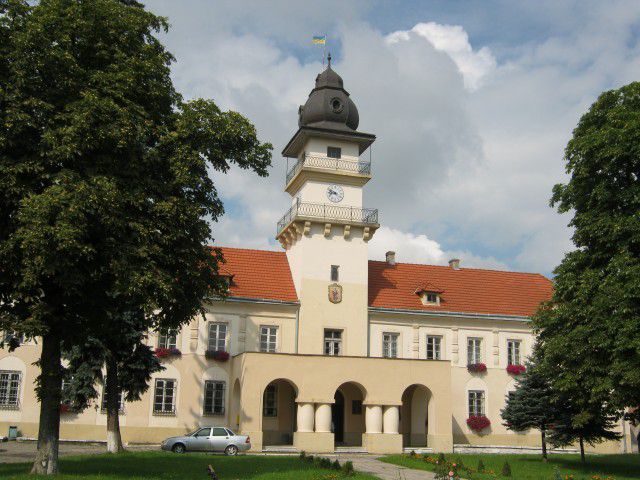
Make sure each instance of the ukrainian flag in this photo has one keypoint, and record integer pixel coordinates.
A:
(319, 39)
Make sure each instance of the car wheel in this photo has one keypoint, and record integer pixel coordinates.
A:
(178, 448)
(231, 450)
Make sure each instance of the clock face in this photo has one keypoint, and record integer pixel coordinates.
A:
(335, 193)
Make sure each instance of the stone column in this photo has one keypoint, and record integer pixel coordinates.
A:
(373, 419)
(323, 418)
(391, 419)
(305, 417)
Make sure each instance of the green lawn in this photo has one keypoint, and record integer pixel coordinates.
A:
(531, 467)
(161, 465)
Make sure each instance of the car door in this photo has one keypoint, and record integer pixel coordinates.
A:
(219, 439)
(199, 441)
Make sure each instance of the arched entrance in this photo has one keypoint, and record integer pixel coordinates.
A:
(279, 412)
(414, 416)
(347, 415)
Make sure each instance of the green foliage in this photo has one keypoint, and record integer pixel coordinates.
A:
(481, 466)
(303, 455)
(588, 333)
(336, 465)
(441, 458)
(506, 470)
(347, 468)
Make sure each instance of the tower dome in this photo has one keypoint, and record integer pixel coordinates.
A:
(329, 105)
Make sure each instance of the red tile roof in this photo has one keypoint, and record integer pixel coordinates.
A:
(264, 274)
(468, 290)
(259, 274)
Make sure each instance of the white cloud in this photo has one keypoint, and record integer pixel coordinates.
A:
(454, 41)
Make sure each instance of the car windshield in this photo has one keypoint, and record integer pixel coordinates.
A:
(194, 432)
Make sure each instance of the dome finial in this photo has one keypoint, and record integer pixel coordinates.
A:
(329, 60)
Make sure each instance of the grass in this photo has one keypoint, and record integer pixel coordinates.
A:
(531, 467)
(166, 466)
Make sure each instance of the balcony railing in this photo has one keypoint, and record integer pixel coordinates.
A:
(360, 167)
(321, 211)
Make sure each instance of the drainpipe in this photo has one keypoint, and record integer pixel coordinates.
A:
(368, 335)
(297, 323)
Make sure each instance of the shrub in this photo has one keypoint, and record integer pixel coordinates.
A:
(478, 422)
(481, 466)
(506, 470)
(311, 459)
(347, 468)
(446, 471)
(441, 458)
(336, 464)
(412, 454)
(325, 462)
(303, 455)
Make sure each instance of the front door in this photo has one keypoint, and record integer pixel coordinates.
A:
(337, 417)
(200, 440)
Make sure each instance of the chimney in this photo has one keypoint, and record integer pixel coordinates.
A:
(391, 258)
(455, 263)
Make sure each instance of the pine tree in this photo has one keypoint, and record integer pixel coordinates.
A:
(531, 405)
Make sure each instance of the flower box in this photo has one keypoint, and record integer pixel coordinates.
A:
(516, 369)
(477, 367)
(218, 355)
(478, 422)
(162, 352)
(65, 408)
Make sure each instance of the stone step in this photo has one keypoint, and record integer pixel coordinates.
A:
(418, 450)
(280, 449)
(350, 450)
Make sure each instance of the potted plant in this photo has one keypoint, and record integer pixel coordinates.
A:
(218, 355)
(162, 352)
(478, 423)
(477, 367)
(516, 369)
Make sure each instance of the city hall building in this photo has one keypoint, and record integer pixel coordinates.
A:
(317, 347)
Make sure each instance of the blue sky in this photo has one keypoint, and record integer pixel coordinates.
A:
(472, 102)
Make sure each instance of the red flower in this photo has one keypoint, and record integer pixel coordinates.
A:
(478, 422)
(477, 367)
(516, 369)
(162, 352)
(219, 355)
(65, 408)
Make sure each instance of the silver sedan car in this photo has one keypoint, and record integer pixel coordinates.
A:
(208, 439)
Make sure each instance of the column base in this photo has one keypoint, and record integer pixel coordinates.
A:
(382, 442)
(440, 443)
(314, 442)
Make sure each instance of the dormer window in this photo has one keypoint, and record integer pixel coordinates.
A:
(226, 280)
(430, 298)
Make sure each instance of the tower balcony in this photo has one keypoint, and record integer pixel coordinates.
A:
(359, 171)
(308, 213)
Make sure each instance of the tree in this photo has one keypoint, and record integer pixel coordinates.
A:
(574, 422)
(104, 186)
(589, 331)
(531, 405)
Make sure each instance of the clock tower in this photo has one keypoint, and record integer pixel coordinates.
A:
(326, 230)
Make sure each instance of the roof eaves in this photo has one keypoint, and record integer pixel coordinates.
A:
(253, 300)
(432, 313)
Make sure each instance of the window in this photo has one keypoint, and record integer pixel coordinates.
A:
(332, 342)
(513, 352)
(270, 401)
(356, 407)
(390, 345)
(431, 297)
(13, 337)
(217, 337)
(334, 152)
(103, 402)
(474, 351)
(164, 397)
(9, 389)
(476, 403)
(268, 338)
(219, 432)
(167, 340)
(335, 273)
(434, 347)
(203, 432)
(214, 397)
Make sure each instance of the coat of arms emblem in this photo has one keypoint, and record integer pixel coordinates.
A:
(335, 293)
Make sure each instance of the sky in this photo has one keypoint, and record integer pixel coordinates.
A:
(472, 104)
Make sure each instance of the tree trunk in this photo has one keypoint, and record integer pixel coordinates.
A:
(582, 459)
(114, 439)
(544, 444)
(50, 395)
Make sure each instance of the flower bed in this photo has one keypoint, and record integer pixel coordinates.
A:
(478, 422)
(162, 352)
(218, 355)
(516, 369)
(477, 367)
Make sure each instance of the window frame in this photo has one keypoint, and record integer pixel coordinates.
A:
(11, 390)
(103, 401)
(174, 395)
(168, 340)
(218, 326)
(332, 344)
(217, 406)
(390, 342)
(436, 349)
(268, 343)
(270, 401)
(475, 399)
(474, 356)
(335, 151)
(514, 348)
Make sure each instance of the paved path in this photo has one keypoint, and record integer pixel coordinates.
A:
(385, 471)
